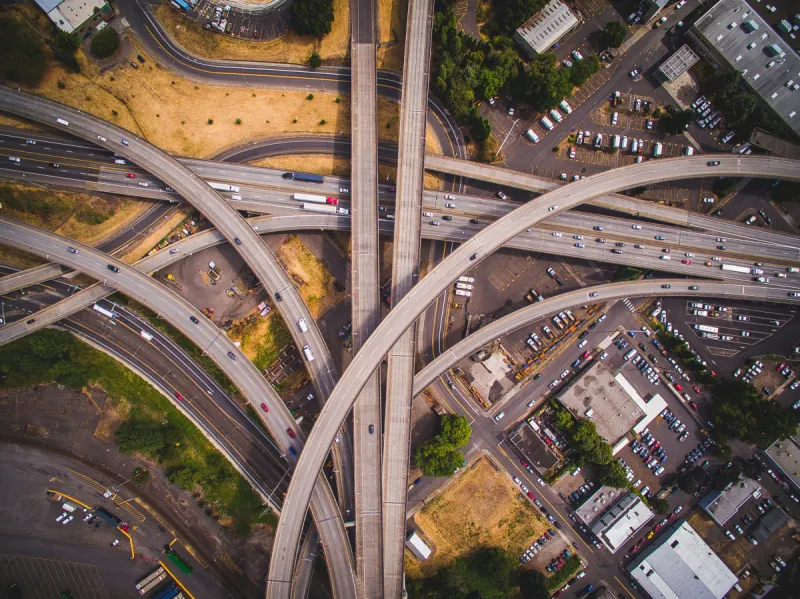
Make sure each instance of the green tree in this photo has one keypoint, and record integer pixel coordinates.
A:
(583, 69)
(141, 436)
(676, 121)
(22, 54)
(533, 585)
(315, 60)
(105, 43)
(51, 344)
(613, 34)
(739, 411)
(455, 431)
(481, 128)
(435, 459)
(661, 506)
(627, 273)
(510, 14)
(614, 475)
(183, 476)
(724, 186)
(311, 17)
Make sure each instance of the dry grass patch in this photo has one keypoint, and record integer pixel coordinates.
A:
(84, 217)
(10, 121)
(18, 258)
(289, 48)
(392, 27)
(321, 164)
(483, 508)
(314, 280)
(261, 337)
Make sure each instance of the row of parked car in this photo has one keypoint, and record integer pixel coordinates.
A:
(651, 452)
(707, 117)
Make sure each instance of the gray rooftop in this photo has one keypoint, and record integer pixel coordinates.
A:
(722, 505)
(748, 44)
(48, 5)
(786, 455)
(614, 515)
(546, 27)
(770, 523)
(677, 64)
(680, 565)
(777, 146)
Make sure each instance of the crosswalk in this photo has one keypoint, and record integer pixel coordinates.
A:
(629, 305)
(118, 501)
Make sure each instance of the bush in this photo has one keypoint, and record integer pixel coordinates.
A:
(238, 121)
(627, 273)
(90, 216)
(210, 121)
(315, 60)
(22, 55)
(724, 186)
(311, 17)
(613, 34)
(105, 43)
(567, 571)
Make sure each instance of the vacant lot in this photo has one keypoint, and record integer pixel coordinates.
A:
(483, 508)
(288, 48)
(262, 337)
(84, 217)
(392, 28)
(315, 283)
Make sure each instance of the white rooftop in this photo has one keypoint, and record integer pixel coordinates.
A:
(546, 27)
(418, 546)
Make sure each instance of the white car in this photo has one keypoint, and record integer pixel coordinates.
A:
(551, 208)
(577, 55)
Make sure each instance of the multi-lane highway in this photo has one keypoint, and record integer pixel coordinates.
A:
(365, 301)
(470, 253)
(218, 347)
(405, 271)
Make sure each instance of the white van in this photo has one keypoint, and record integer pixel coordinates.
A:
(657, 150)
(688, 151)
(532, 136)
(556, 115)
(303, 325)
(147, 335)
(120, 161)
(614, 118)
(546, 123)
(615, 141)
(565, 107)
(624, 143)
(62, 122)
(463, 292)
(307, 352)
(634, 146)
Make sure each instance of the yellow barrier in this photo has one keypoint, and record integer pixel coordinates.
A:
(178, 582)
(80, 503)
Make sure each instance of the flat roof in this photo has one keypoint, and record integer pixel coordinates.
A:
(546, 27)
(677, 64)
(531, 446)
(750, 45)
(722, 505)
(597, 503)
(48, 5)
(680, 565)
(418, 546)
(614, 515)
(604, 398)
(489, 377)
(786, 455)
(777, 146)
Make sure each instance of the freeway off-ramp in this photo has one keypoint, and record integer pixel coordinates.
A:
(471, 251)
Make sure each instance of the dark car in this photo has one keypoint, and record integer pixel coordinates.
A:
(55, 165)
(194, 320)
(537, 376)
(371, 429)
(237, 241)
(712, 163)
(231, 355)
(473, 256)
(447, 217)
(140, 58)
(30, 321)
(290, 433)
(666, 286)
(475, 221)
(277, 297)
(112, 268)
(178, 396)
(292, 450)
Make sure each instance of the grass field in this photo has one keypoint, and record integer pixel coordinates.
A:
(84, 217)
(316, 283)
(483, 508)
(262, 338)
(288, 48)
(392, 27)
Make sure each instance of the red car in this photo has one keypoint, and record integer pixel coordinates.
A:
(686, 261)
(290, 432)
(264, 407)
(531, 495)
(178, 396)
(695, 407)
(678, 387)
(524, 463)
(586, 355)
(130, 175)
(697, 389)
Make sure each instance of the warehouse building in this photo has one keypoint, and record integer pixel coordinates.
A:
(723, 505)
(731, 35)
(680, 564)
(614, 516)
(72, 15)
(544, 29)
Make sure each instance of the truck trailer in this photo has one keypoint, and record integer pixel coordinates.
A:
(325, 208)
(307, 197)
(304, 177)
(223, 186)
(742, 269)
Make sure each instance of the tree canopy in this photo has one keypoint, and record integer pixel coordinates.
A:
(311, 17)
(510, 14)
(676, 121)
(22, 55)
(105, 43)
(613, 34)
(440, 455)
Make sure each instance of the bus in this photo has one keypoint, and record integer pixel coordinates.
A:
(149, 578)
(103, 311)
(176, 559)
(706, 328)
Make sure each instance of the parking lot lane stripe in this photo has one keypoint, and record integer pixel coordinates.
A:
(37, 581)
(72, 573)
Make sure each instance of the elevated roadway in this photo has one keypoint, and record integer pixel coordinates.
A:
(365, 304)
(219, 348)
(471, 252)
(610, 292)
(405, 271)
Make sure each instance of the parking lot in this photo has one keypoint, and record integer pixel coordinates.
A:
(39, 577)
(239, 23)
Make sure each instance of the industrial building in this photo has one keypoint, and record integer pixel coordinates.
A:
(609, 400)
(723, 505)
(72, 15)
(418, 547)
(785, 455)
(731, 35)
(614, 516)
(544, 29)
(680, 564)
(677, 64)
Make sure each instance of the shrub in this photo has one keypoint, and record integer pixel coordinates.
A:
(105, 43)
(322, 122)
(61, 85)
(315, 60)
(310, 97)
(238, 121)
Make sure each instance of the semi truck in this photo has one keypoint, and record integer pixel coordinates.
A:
(223, 186)
(149, 578)
(743, 269)
(307, 197)
(304, 177)
(325, 208)
(153, 583)
(176, 559)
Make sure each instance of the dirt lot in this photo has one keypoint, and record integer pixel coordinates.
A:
(483, 508)
(157, 233)
(288, 48)
(74, 215)
(315, 282)
(262, 338)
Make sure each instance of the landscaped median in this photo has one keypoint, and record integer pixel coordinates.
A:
(572, 566)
